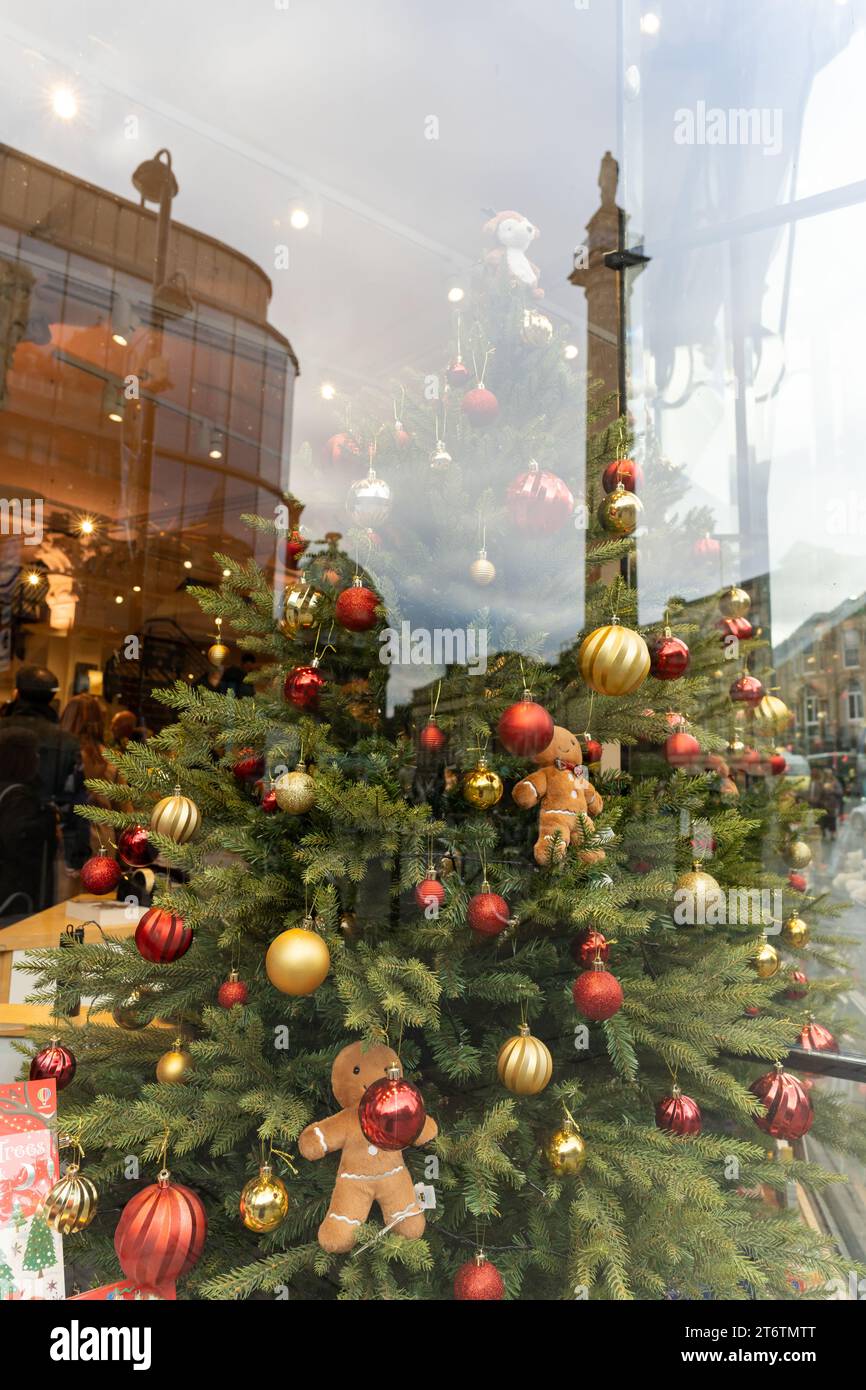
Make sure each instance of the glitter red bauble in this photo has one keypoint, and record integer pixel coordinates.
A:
(669, 658)
(747, 690)
(161, 936)
(355, 608)
(100, 874)
(777, 764)
(428, 891)
(590, 751)
(134, 847)
(480, 406)
(249, 765)
(589, 946)
(342, 448)
(457, 373)
(232, 993)
(160, 1235)
(269, 802)
(431, 738)
(798, 987)
(540, 502)
(624, 471)
(678, 1114)
(597, 995)
(797, 882)
(788, 1108)
(391, 1113)
(295, 547)
(54, 1063)
(304, 686)
(814, 1037)
(478, 1281)
(681, 749)
(525, 728)
(488, 913)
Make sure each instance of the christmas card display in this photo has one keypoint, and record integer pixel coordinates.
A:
(31, 1254)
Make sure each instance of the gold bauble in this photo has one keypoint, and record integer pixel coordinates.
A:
(795, 932)
(176, 816)
(482, 571)
(350, 927)
(704, 894)
(765, 962)
(218, 654)
(773, 714)
(537, 328)
(798, 854)
(295, 791)
(734, 603)
(174, 1066)
(565, 1151)
(297, 961)
(300, 602)
(620, 512)
(70, 1205)
(524, 1064)
(126, 1015)
(264, 1201)
(614, 660)
(482, 787)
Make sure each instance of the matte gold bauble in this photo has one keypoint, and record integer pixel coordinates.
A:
(765, 962)
(297, 961)
(620, 511)
(70, 1205)
(218, 654)
(734, 603)
(798, 854)
(174, 1066)
(482, 787)
(295, 791)
(524, 1064)
(773, 714)
(795, 932)
(565, 1151)
(176, 816)
(264, 1201)
(614, 660)
(482, 571)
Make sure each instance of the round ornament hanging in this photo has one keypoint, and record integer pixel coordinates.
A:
(795, 932)
(429, 893)
(174, 1067)
(590, 751)
(488, 913)
(678, 1114)
(391, 1111)
(814, 1037)
(798, 985)
(697, 895)
(369, 500)
(524, 1064)
(669, 657)
(798, 854)
(440, 459)
(70, 1205)
(525, 727)
(134, 847)
(176, 816)
(480, 406)
(161, 936)
(539, 502)
(218, 654)
(482, 787)
(355, 609)
(589, 946)
(54, 1062)
(747, 690)
(537, 328)
(304, 685)
(100, 873)
(765, 962)
(297, 960)
(268, 802)
(622, 471)
(478, 1281)
(565, 1150)
(734, 603)
(788, 1109)
(482, 571)
(264, 1202)
(458, 373)
(597, 993)
(342, 448)
(682, 749)
(431, 737)
(160, 1235)
(614, 660)
(620, 511)
(772, 714)
(232, 992)
(249, 765)
(295, 791)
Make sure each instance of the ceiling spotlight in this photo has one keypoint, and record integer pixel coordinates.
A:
(227, 574)
(34, 579)
(456, 294)
(187, 564)
(136, 588)
(123, 321)
(299, 219)
(216, 445)
(64, 103)
(86, 526)
(650, 24)
(112, 403)
(118, 598)
(571, 351)
(328, 390)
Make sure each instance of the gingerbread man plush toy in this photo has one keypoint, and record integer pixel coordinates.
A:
(366, 1174)
(563, 795)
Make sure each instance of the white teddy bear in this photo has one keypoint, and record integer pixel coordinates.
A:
(513, 233)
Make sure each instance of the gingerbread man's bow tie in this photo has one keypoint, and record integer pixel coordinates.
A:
(567, 767)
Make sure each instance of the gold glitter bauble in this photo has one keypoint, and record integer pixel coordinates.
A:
(264, 1201)
(297, 961)
(218, 654)
(795, 932)
(174, 1066)
(482, 787)
(699, 893)
(524, 1064)
(734, 603)
(614, 660)
(70, 1205)
(620, 511)
(565, 1151)
(482, 571)
(773, 714)
(765, 961)
(176, 816)
(295, 791)
(798, 854)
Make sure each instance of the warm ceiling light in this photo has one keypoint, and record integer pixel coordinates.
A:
(650, 24)
(34, 578)
(216, 445)
(571, 351)
(227, 574)
(118, 598)
(456, 294)
(136, 588)
(328, 390)
(299, 219)
(86, 526)
(112, 403)
(119, 337)
(187, 564)
(64, 103)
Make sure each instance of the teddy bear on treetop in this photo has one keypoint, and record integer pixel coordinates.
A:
(513, 234)
(563, 796)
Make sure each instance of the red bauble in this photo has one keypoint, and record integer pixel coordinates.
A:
(741, 628)
(751, 1011)
(624, 471)
(681, 750)
(304, 686)
(100, 874)
(589, 946)
(160, 1235)
(539, 502)
(777, 764)
(269, 802)
(457, 373)
(814, 1037)
(134, 847)
(355, 608)
(747, 690)
(402, 438)
(295, 547)
(431, 737)
(54, 1063)
(673, 719)
(797, 882)
(669, 658)
(525, 728)
(678, 1114)
(597, 994)
(232, 992)
(342, 448)
(707, 548)
(799, 985)
(391, 1113)
(788, 1107)
(750, 761)
(478, 1280)
(480, 406)
(590, 750)
(429, 891)
(161, 936)
(488, 913)
(249, 765)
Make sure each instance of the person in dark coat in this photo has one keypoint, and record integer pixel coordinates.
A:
(28, 827)
(32, 708)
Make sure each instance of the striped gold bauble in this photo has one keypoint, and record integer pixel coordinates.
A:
(614, 660)
(176, 816)
(524, 1064)
(772, 714)
(70, 1205)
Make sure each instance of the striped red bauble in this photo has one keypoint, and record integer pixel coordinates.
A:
(161, 936)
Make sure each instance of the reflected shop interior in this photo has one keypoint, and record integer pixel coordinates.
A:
(238, 262)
